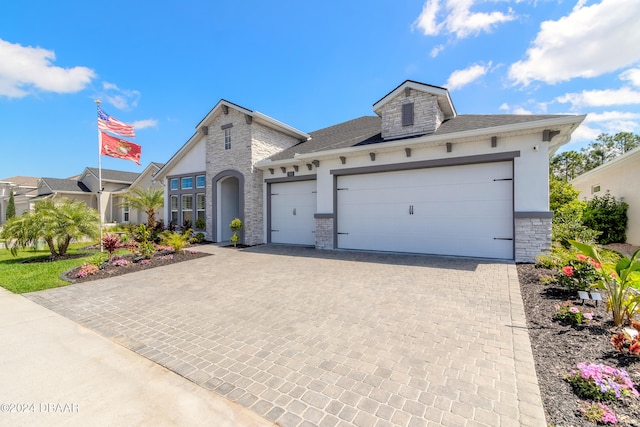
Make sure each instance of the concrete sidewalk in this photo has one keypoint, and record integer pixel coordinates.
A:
(55, 372)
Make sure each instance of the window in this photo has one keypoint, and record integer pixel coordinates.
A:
(407, 114)
(187, 183)
(200, 206)
(595, 189)
(125, 213)
(174, 183)
(200, 180)
(174, 210)
(187, 209)
(227, 139)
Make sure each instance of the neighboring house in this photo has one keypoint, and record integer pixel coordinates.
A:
(417, 178)
(84, 187)
(619, 177)
(23, 188)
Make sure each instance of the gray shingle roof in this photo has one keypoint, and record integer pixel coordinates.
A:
(114, 175)
(25, 181)
(63, 185)
(367, 130)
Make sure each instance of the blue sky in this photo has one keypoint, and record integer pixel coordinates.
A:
(163, 66)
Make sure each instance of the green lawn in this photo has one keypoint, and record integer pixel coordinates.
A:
(19, 277)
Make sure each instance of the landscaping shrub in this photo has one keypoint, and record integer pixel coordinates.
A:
(110, 242)
(608, 216)
(601, 382)
(176, 240)
(567, 224)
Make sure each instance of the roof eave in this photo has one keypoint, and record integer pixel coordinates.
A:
(431, 139)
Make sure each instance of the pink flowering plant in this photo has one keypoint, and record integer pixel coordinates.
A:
(120, 262)
(568, 313)
(578, 274)
(598, 413)
(601, 382)
(87, 270)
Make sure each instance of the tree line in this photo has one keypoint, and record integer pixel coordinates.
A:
(569, 164)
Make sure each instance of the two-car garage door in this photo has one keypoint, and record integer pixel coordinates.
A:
(464, 210)
(456, 210)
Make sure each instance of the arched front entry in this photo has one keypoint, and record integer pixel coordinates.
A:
(228, 203)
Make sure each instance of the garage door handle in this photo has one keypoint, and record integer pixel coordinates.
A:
(503, 179)
(502, 238)
(274, 230)
(410, 209)
(342, 233)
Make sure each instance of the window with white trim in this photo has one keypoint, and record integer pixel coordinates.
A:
(186, 183)
(174, 183)
(174, 210)
(187, 209)
(200, 206)
(125, 213)
(227, 139)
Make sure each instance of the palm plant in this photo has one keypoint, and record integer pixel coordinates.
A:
(148, 200)
(57, 223)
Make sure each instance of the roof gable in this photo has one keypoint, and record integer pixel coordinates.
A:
(222, 108)
(111, 175)
(58, 185)
(442, 94)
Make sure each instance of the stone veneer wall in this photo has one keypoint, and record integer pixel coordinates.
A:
(250, 142)
(533, 237)
(324, 232)
(427, 115)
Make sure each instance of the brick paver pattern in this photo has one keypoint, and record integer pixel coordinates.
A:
(305, 337)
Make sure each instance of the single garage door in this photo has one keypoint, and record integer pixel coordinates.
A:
(293, 205)
(455, 210)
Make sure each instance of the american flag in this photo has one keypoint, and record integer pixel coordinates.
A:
(111, 124)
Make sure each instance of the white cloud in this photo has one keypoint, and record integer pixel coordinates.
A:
(122, 99)
(590, 41)
(25, 70)
(615, 121)
(601, 97)
(460, 78)
(632, 76)
(436, 50)
(147, 123)
(505, 107)
(455, 17)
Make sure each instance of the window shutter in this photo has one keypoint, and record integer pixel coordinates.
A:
(407, 114)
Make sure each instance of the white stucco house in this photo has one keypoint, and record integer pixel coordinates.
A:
(619, 177)
(24, 188)
(415, 177)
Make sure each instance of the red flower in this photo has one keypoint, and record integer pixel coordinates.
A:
(618, 341)
(595, 263)
(582, 257)
(635, 347)
(567, 270)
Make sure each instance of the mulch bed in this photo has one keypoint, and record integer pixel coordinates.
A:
(558, 348)
(157, 260)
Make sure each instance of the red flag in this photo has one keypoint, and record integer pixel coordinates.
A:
(119, 148)
(111, 124)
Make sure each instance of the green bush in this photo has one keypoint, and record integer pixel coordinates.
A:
(608, 216)
(176, 240)
(567, 224)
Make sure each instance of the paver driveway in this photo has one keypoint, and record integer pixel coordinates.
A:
(306, 337)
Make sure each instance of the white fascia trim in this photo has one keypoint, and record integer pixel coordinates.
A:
(281, 126)
(162, 173)
(429, 139)
(628, 156)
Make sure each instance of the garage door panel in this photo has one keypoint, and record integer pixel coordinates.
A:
(460, 210)
(293, 205)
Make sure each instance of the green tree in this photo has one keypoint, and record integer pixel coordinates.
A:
(11, 206)
(147, 200)
(57, 223)
(567, 165)
(607, 147)
(560, 192)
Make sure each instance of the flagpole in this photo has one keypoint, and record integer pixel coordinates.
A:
(98, 102)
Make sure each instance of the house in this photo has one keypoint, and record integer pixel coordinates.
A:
(23, 189)
(84, 187)
(416, 177)
(619, 177)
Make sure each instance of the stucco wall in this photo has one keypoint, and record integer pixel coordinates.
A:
(620, 177)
